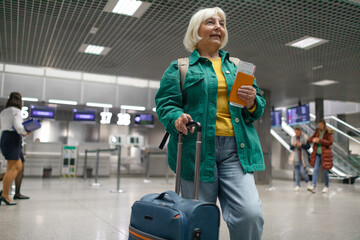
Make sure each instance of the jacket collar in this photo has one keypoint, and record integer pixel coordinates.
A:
(195, 56)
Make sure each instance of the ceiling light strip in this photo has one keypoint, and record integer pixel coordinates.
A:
(103, 105)
(30, 99)
(58, 101)
(129, 107)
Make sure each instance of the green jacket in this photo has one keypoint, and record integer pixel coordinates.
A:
(198, 99)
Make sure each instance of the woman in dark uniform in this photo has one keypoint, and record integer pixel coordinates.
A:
(11, 140)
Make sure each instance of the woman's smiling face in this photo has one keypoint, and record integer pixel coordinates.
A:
(212, 32)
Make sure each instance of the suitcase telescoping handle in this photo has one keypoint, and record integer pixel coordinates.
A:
(197, 160)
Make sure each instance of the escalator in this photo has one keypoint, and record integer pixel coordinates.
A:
(346, 146)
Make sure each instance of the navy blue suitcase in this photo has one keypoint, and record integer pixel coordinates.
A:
(169, 216)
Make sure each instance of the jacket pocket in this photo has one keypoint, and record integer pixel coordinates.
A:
(193, 94)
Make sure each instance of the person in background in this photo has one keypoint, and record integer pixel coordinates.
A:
(300, 144)
(18, 180)
(231, 150)
(322, 154)
(11, 142)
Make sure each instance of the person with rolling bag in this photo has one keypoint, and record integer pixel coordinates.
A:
(169, 216)
(231, 150)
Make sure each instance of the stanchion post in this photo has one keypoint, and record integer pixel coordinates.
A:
(270, 173)
(97, 165)
(166, 172)
(270, 188)
(118, 190)
(118, 169)
(96, 184)
(147, 166)
(85, 164)
(147, 152)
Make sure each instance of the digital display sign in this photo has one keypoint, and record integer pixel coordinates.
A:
(276, 118)
(299, 114)
(42, 112)
(84, 115)
(144, 119)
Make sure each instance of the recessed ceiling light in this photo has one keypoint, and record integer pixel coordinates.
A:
(133, 8)
(93, 30)
(94, 49)
(317, 67)
(126, 7)
(324, 82)
(307, 42)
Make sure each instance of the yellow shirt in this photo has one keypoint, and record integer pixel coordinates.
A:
(223, 119)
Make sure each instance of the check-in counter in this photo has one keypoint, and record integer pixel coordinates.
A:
(40, 156)
(104, 159)
(131, 160)
(158, 162)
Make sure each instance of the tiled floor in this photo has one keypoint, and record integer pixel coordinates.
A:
(72, 209)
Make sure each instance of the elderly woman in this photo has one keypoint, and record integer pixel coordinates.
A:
(231, 149)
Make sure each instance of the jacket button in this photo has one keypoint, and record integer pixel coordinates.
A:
(227, 71)
(237, 120)
(242, 145)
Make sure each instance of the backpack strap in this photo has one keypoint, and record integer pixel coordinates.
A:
(183, 65)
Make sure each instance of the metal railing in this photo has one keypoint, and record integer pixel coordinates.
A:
(97, 151)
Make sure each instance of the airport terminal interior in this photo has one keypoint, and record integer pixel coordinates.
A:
(88, 73)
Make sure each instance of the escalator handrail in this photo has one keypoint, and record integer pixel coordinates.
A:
(344, 123)
(337, 130)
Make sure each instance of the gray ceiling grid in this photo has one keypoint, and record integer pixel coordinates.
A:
(50, 33)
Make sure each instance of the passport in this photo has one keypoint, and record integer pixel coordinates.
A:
(244, 76)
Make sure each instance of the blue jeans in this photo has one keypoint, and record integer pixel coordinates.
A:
(299, 169)
(237, 192)
(316, 172)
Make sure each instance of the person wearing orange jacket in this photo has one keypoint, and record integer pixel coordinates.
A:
(322, 154)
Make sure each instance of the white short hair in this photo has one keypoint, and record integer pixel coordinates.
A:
(192, 37)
